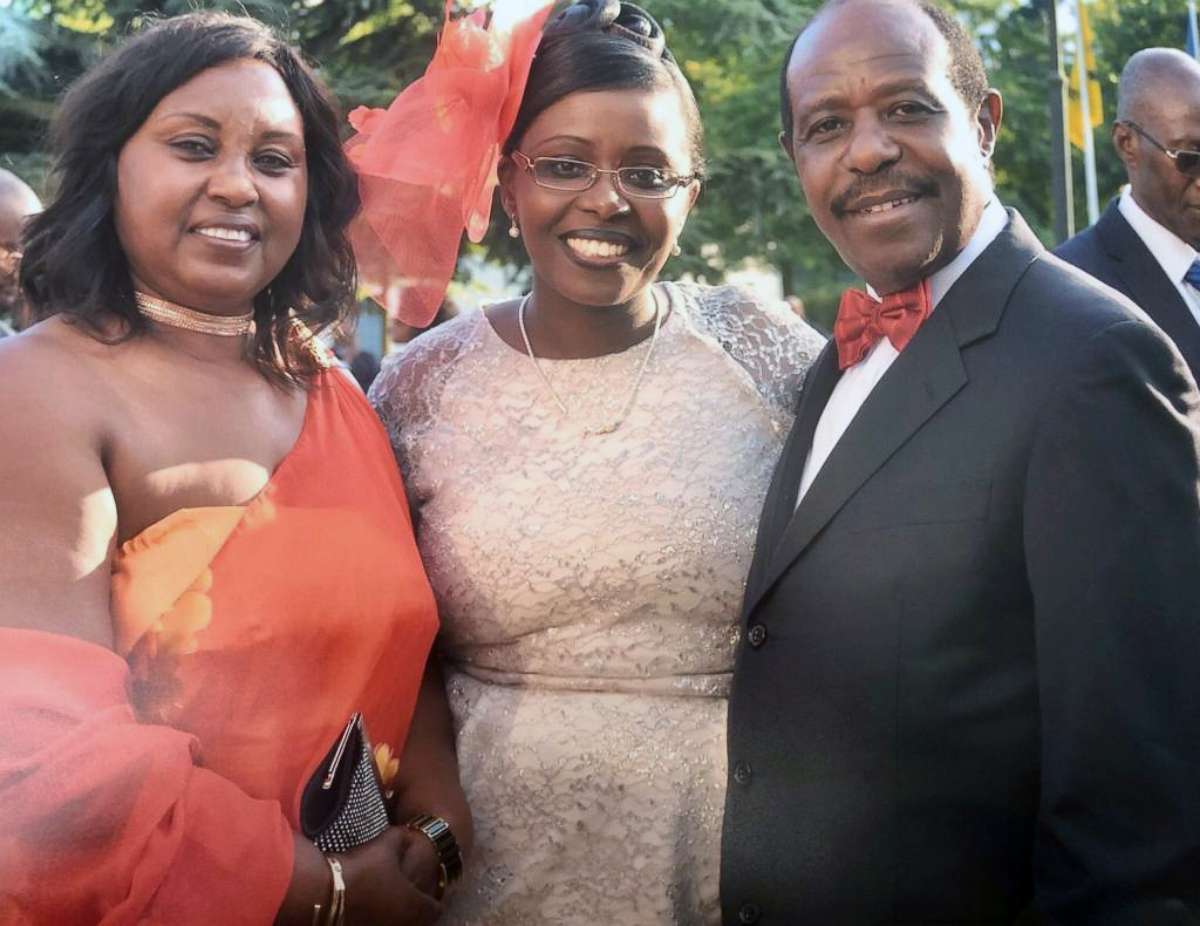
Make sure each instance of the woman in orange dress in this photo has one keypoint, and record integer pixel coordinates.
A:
(207, 564)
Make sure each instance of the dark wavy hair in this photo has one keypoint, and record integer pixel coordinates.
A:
(73, 263)
(604, 45)
(967, 73)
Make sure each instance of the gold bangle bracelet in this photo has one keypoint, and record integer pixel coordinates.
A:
(443, 879)
(337, 901)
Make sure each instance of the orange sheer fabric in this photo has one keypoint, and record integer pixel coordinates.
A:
(162, 783)
(427, 164)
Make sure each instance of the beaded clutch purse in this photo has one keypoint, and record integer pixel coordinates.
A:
(343, 805)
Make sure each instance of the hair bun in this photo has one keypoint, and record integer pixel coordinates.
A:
(615, 17)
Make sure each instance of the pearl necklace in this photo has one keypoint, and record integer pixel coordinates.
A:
(637, 383)
(178, 316)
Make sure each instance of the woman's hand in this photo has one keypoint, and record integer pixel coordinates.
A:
(379, 892)
(378, 886)
(420, 861)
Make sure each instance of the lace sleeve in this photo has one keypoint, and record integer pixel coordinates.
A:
(409, 388)
(773, 345)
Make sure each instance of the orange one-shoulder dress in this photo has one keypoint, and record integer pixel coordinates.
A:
(161, 782)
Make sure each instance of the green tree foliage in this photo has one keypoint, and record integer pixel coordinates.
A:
(1019, 62)
(752, 208)
(363, 48)
(1123, 27)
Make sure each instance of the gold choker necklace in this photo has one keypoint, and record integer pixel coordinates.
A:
(178, 316)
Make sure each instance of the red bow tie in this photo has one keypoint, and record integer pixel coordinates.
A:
(862, 321)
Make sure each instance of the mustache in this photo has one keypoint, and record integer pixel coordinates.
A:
(881, 183)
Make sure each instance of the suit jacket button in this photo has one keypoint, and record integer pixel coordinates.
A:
(742, 773)
(757, 635)
(749, 913)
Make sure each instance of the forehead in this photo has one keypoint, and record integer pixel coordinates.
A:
(613, 121)
(245, 93)
(857, 48)
(16, 205)
(1171, 110)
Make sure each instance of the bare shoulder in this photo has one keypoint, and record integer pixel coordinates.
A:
(54, 358)
(55, 500)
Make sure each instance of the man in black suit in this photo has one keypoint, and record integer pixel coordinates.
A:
(967, 691)
(1145, 243)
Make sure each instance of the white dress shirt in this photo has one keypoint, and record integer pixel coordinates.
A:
(856, 382)
(1173, 254)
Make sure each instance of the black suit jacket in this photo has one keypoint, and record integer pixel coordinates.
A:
(1112, 252)
(968, 691)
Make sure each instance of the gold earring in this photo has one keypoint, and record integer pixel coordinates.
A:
(513, 230)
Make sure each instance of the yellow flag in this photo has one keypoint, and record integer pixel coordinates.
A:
(1095, 105)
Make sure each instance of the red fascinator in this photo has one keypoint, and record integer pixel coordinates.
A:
(427, 164)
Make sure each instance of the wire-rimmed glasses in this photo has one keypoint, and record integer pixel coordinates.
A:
(571, 175)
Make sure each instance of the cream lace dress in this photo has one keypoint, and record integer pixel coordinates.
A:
(589, 588)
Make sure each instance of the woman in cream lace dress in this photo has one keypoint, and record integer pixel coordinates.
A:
(587, 466)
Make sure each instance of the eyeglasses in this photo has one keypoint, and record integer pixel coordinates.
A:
(1186, 162)
(567, 175)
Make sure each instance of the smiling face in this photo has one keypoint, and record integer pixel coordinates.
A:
(211, 189)
(893, 162)
(600, 247)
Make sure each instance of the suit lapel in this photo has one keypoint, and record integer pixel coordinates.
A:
(922, 379)
(781, 496)
(1144, 279)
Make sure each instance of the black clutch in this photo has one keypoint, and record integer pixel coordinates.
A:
(343, 805)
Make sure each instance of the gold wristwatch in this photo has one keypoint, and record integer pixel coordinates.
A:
(445, 846)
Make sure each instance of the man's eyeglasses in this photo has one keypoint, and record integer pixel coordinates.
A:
(1186, 162)
(567, 175)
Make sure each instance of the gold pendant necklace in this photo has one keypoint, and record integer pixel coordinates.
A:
(178, 316)
(637, 382)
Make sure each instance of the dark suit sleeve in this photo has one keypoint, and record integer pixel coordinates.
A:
(1112, 533)
(1078, 251)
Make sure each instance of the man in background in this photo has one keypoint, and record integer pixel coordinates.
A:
(17, 203)
(1145, 243)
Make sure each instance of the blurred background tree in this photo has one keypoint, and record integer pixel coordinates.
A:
(751, 212)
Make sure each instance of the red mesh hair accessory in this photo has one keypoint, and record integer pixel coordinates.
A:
(427, 164)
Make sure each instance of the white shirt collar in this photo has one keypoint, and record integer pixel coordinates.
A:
(992, 221)
(1173, 254)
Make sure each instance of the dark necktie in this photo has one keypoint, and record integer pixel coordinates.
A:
(1193, 274)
